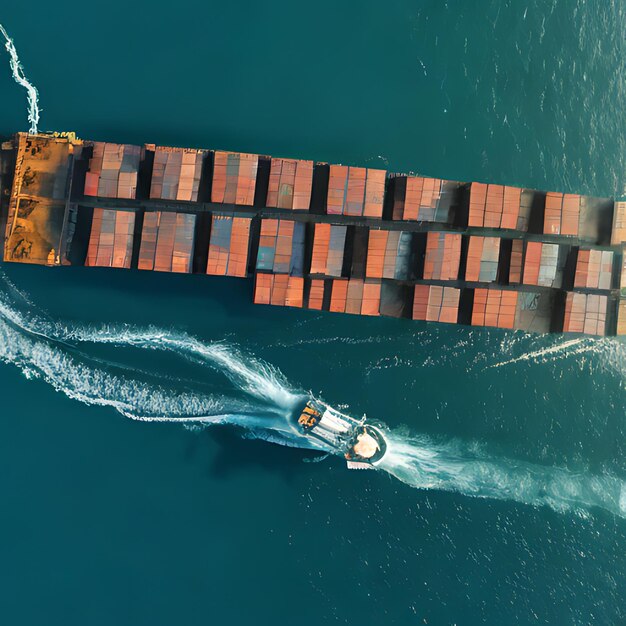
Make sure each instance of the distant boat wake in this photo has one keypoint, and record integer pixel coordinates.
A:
(20, 77)
(51, 351)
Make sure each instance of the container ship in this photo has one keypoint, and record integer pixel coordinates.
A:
(320, 236)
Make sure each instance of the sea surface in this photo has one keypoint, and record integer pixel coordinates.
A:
(502, 500)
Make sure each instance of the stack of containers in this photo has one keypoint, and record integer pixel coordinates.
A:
(279, 290)
(541, 264)
(517, 260)
(290, 184)
(167, 242)
(482, 259)
(423, 199)
(355, 191)
(229, 245)
(316, 294)
(355, 296)
(111, 239)
(234, 178)
(495, 206)
(113, 171)
(443, 256)
(388, 254)
(436, 304)
(176, 174)
(281, 247)
(494, 307)
(329, 243)
(594, 269)
(585, 313)
(562, 214)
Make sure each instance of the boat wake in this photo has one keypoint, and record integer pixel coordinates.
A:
(20, 77)
(469, 470)
(53, 352)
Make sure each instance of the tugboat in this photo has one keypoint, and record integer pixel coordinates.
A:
(362, 445)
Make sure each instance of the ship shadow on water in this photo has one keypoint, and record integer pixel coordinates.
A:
(235, 453)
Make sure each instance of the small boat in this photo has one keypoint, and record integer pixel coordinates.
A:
(362, 445)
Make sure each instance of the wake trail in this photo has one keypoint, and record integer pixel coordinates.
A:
(44, 350)
(458, 467)
(609, 353)
(544, 352)
(252, 376)
(20, 78)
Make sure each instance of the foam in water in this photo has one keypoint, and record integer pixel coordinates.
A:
(42, 349)
(20, 77)
(469, 470)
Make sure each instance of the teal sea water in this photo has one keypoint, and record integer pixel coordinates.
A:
(502, 500)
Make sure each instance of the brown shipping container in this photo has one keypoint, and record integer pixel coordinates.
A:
(290, 184)
(585, 313)
(111, 239)
(494, 307)
(443, 256)
(113, 170)
(234, 178)
(355, 191)
(167, 242)
(229, 245)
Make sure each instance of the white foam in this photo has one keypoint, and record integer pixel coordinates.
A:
(544, 352)
(20, 77)
(469, 470)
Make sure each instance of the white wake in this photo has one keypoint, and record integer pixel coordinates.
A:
(467, 469)
(20, 77)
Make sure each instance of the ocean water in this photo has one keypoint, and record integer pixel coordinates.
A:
(502, 500)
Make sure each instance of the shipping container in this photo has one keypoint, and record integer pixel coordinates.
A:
(389, 254)
(111, 239)
(594, 269)
(355, 191)
(281, 247)
(542, 265)
(483, 254)
(443, 256)
(329, 243)
(498, 206)
(517, 260)
(229, 245)
(176, 174)
(355, 296)
(279, 290)
(316, 294)
(234, 178)
(424, 199)
(585, 313)
(494, 307)
(167, 242)
(113, 171)
(562, 214)
(433, 303)
(290, 184)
